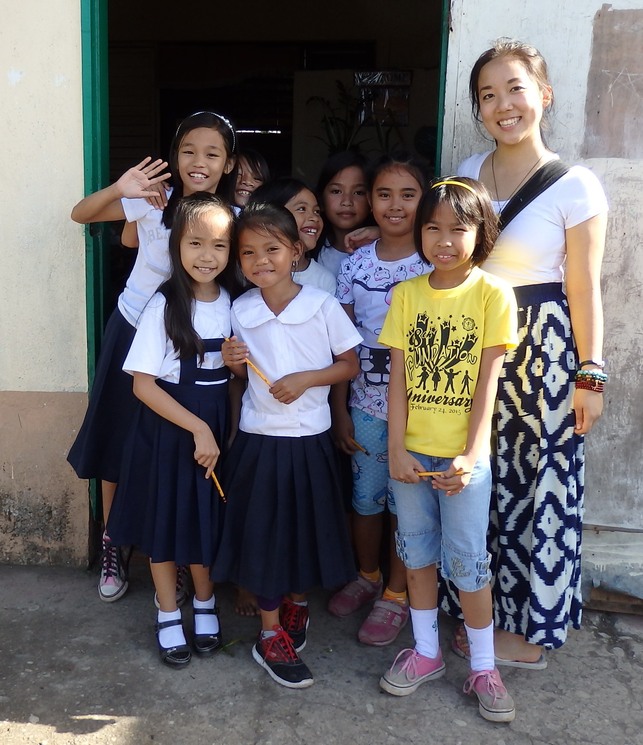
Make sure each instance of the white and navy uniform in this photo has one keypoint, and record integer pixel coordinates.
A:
(163, 503)
(285, 528)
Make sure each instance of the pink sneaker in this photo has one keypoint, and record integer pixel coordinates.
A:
(494, 703)
(409, 670)
(383, 623)
(354, 595)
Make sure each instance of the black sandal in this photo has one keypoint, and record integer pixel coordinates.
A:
(178, 656)
(206, 644)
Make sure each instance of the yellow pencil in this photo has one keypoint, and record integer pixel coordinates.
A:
(459, 472)
(360, 447)
(255, 368)
(218, 485)
(259, 373)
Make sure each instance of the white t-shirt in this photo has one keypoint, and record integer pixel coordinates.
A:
(367, 283)
(317, 276)
(331, 258)
(152, 265)
(153, 353)
(531, 249)
(304, 336)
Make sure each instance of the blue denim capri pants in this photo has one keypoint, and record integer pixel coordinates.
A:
(450, 531)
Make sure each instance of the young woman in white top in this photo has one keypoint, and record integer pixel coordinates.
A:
(550, 393)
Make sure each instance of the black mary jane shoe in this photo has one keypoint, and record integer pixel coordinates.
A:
(178, 656)
(206, 644)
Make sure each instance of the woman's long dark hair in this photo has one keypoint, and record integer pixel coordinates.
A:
(206, 120)
(178, 290)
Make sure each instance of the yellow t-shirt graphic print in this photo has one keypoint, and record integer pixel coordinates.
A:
(441, 360)
(442, 334)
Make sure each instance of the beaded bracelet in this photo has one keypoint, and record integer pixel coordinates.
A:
(588, 386)
(597, 375)
(591, 380)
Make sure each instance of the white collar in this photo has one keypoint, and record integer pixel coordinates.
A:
(252, 311)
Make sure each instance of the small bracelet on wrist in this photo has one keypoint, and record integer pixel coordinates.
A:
(585, 386)
(599, 363)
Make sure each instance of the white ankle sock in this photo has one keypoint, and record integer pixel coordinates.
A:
(172, 636)
(205, 623)
(481, 648)
(425, 631)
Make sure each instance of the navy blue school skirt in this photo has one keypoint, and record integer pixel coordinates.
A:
(98, 448)
(285, 528)
(164, 505)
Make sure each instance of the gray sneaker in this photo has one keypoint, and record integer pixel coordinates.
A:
(494, 702)
(112, 584)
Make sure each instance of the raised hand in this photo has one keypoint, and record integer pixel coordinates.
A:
(139, 180)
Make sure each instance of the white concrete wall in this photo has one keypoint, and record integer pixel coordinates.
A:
(42, 281)
(564, 33)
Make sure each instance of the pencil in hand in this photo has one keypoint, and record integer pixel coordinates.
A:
(360, 447)
(259, 373)
(218, 485)
(254, 367)
(459, 472)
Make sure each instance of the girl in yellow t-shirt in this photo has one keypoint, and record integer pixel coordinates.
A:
(448, 332)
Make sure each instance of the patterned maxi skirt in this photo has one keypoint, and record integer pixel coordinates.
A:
(536, 514)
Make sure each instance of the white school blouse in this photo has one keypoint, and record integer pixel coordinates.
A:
(152, 265)
(153, 352)
(304, 336)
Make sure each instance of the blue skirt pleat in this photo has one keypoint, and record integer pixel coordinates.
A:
(164, 505)
(98, 448)
(285, 528)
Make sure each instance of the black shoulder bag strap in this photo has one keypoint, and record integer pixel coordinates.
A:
(537, 184)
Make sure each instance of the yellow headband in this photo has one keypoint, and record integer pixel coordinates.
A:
(453, 182)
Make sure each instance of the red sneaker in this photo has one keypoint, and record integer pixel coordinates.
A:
(278, 657)
(294, 621)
